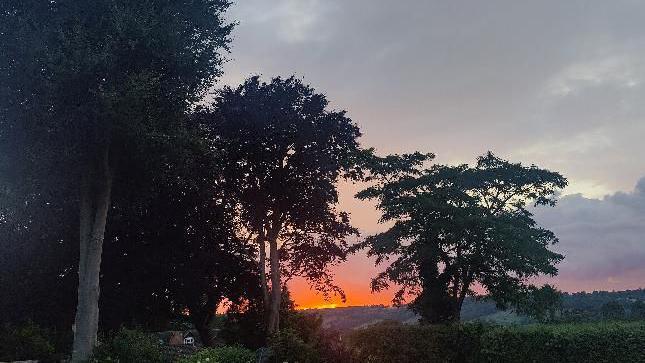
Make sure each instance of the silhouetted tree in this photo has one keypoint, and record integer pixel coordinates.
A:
(458, 226)
(286, 152)
(91, 88)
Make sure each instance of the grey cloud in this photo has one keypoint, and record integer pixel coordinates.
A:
(635, 200)
(555, 83)
(603, 240)
(461, 77)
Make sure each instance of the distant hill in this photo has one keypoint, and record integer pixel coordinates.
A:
(348, 318)
(587, 305)
(352, 317)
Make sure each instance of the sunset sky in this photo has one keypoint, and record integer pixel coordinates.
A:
(554, 83)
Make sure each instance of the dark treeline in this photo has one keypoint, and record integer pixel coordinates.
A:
(603, 305)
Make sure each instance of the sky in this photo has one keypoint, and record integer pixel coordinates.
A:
(559, 84)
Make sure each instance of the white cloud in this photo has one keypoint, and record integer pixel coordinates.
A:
(584, 142)
(616, 71)
(291, 21)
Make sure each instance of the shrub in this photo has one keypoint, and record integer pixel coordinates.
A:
(638, 310)
(330, 347)
(590, 342)
(303, 339)
(395, 342)
(25, 342)
(612, 310)
(129, 346)
(288, 346)
(221, 355)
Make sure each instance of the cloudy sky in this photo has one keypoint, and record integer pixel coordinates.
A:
(557, 83)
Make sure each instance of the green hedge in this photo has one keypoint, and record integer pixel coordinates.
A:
(129, 346)
(222, 355)
(592, 342)
(25, 342)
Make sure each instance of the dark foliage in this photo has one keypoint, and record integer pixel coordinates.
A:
(129, 346)
(26, 342)
(599, 342)
(285, 151)
(457, 226)
(93, 92)
(612, 311)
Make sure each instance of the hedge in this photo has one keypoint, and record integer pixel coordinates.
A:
(27, 341)
(225, 354)
(128, 346)
(590, 342)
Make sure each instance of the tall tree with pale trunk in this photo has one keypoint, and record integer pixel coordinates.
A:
(91, 88)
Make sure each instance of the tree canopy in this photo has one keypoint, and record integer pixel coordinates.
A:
(286, 151)
(90, 89)
(460, 227)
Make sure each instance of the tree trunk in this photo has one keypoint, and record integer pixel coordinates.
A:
(205, 334)
(276, 286)
(202, 317)
(96, 187)
(263, 270)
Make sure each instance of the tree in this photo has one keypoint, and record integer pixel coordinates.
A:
(638, 310)
(92, 88)
(287, 151)
(612, 310)
(460, 226)
(173, 231)
(180, 241)
(542, 303)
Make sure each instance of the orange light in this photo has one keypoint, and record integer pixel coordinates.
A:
(324, 306)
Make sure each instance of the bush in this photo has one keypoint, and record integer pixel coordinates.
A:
(25, 342)
(303, 339)
(129, 346)
(222, 355)
(638, 310)
(612, 310)
(395, 342)
(288, 346)
(330, 348)
(591, 342)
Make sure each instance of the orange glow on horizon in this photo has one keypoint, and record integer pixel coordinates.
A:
(306, 299)
(323, 306)
(354, 275)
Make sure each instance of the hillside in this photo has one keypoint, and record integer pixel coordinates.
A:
(580, 305)
(348, 318)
